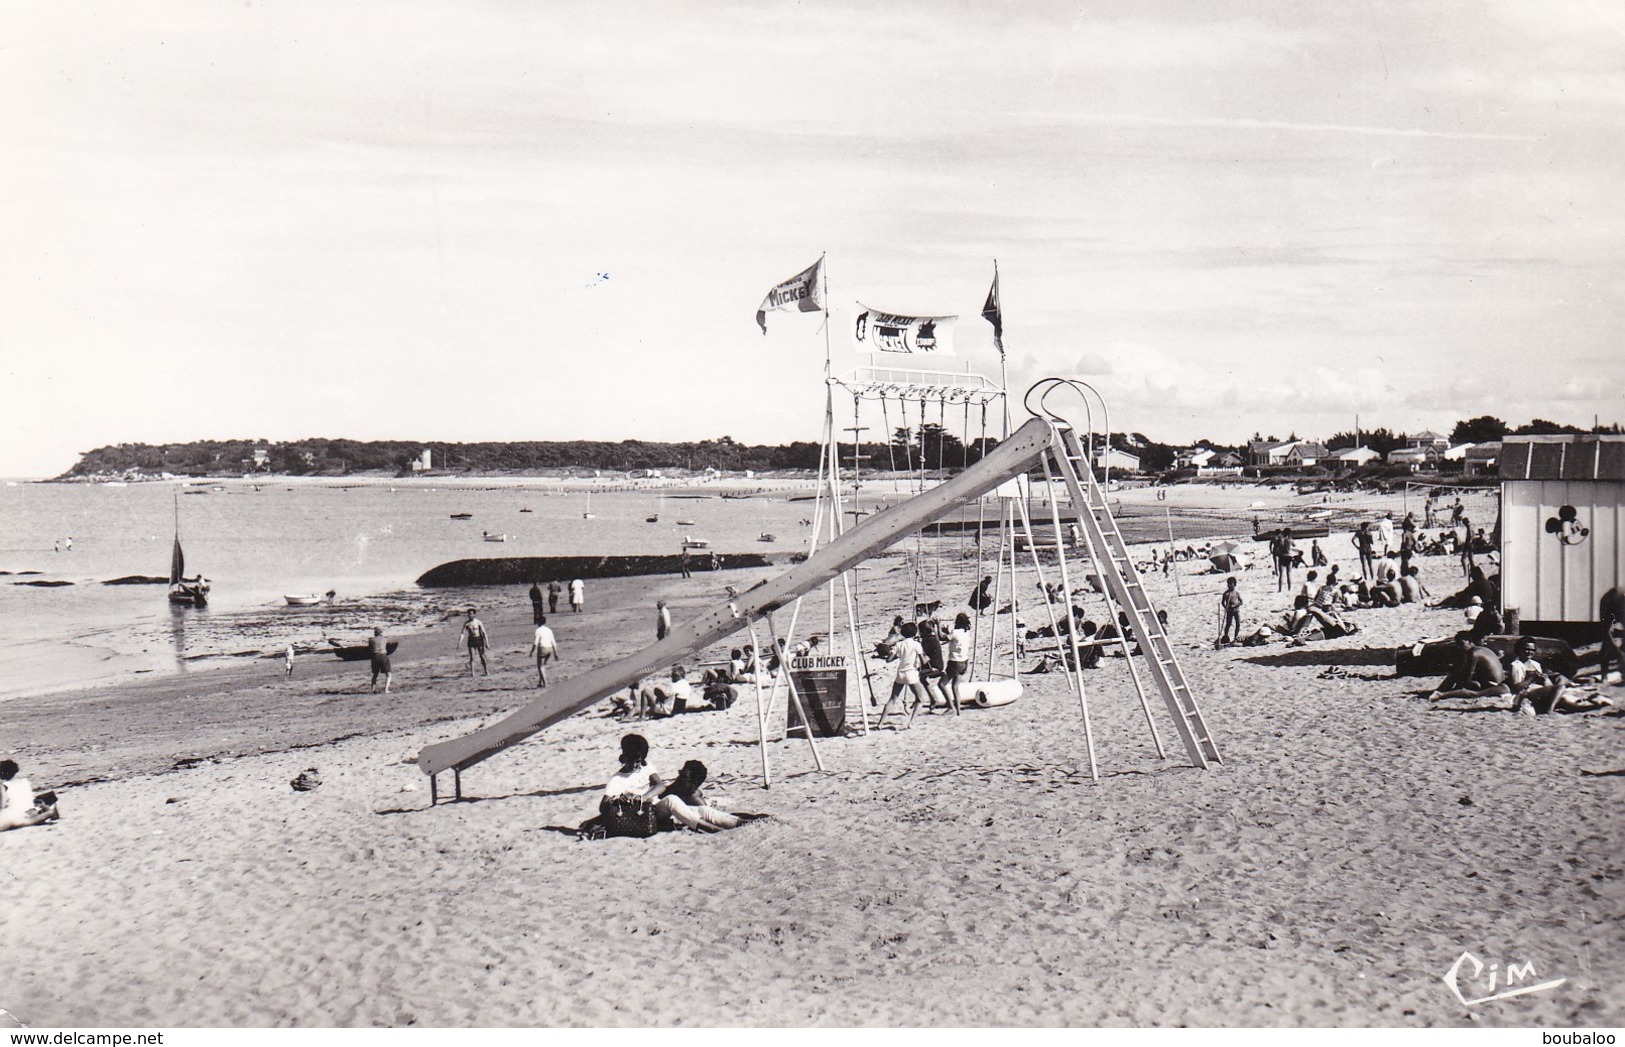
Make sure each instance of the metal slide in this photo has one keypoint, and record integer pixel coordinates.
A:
(1024, 449)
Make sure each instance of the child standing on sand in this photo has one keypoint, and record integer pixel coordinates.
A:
(1230, 610)
(287, 661)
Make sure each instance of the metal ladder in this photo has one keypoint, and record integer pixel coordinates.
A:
(1116, 567)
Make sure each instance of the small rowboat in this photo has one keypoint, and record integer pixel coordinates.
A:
(652, 519)
(307, 600)
(462, 516)
(767, 537)
(685, 523)
(357, 653)
(488, 536)
(695, 543)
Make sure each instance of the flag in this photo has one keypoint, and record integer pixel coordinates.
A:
(993, 314)
(878, 332)
(800, 292)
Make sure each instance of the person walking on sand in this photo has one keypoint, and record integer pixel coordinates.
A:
(554, 591)
(578, 595)
(684, 564)
(475, 635)
(378, 651)
(538, 604)
(1230, 609)
(662, 621)
(287, 661)
(545, 646)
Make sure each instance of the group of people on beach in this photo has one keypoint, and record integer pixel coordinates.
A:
(545, 603)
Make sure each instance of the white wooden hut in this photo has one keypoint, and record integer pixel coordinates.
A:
(1562, 529)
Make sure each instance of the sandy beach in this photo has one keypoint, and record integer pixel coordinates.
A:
(965, 872)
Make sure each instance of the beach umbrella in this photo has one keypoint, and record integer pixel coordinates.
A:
(1223, 557)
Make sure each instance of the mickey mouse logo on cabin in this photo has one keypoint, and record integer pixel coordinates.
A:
(1566, 526)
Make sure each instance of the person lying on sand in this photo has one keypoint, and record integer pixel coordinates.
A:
(1479, 675)
(1534, 691)
(19, 806)
(682, 804)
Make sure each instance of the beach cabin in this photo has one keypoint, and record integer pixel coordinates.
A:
(1355, 457)
(1562, 530)
(1482, 459)
(1117, 460)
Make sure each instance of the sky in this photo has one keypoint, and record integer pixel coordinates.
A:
(520, 221)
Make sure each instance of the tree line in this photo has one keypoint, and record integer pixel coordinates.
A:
(930, 446)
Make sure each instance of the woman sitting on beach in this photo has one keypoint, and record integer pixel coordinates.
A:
(626, 807)
(18, 804)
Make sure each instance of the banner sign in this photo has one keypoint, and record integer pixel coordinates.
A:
(821, 684)
(878, 332)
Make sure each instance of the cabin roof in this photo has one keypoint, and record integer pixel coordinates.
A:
(1590, 456)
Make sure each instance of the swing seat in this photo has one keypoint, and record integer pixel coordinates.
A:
(987, 694)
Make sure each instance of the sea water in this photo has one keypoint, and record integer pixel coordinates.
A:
(258, 542)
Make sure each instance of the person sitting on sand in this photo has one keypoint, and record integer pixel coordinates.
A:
(545, 646)
(1536, 692)
(1317, 555)
(626, 807)
(682, 803)
(887, 647)
(660, 700)
(1411, 589)
(18, 804)
(378, 653)
(475, 635)
(1479, 675)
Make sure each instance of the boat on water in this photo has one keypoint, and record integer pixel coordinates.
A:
(488, 536)
(690, 542)
(303, 600)
(588, 515)
(686, 523)
(525, 510)
(184, 591)
(767, 536)
(462, 516)
(652, 518)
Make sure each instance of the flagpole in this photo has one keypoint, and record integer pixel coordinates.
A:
(1004, 371)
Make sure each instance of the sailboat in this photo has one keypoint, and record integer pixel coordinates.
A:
(588, 514)
(183, 591)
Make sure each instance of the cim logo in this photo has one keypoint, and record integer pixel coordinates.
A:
(1469, 975)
